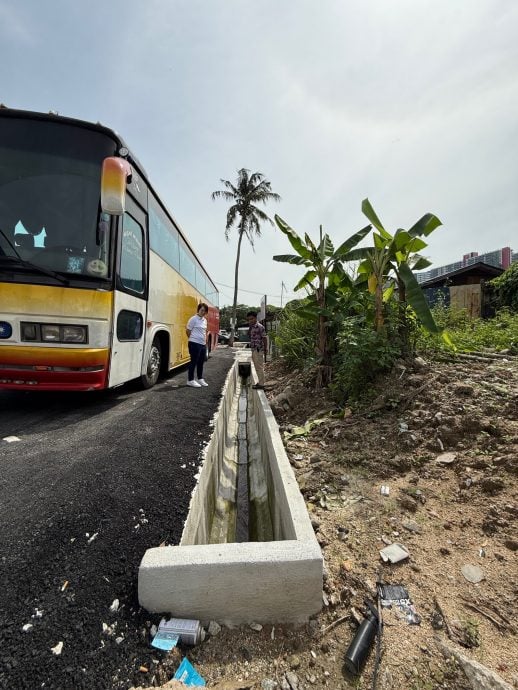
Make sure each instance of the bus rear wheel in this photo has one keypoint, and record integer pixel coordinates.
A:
(153, 365)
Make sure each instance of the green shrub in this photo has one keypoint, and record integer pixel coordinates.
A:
(295, 339)
(363, 354)
(471, 335)
(505, 288)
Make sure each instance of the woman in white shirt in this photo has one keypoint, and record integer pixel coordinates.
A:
(197, 333)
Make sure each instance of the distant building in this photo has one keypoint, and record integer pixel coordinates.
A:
(500, 258)
(463, 288)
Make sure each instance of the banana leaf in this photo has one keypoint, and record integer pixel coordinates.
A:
(416, 299)
(352, 241)
(368, 211)
(425, 225)
(295, 241)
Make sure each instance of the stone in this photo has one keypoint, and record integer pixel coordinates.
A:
(412, 526)
(294, 662)
(407, 503)
(473, 573)
(214, 628)
(394, 553)
(511, 544)
(256, 626)
(463, 389)
(446, 458)
(268, 684)
(480, 677)
(293, 680)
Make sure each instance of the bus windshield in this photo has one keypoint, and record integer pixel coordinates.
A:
(49, 198)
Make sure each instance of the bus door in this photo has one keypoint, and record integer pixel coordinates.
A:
(130, 297)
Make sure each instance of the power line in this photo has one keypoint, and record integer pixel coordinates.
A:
(254, 292)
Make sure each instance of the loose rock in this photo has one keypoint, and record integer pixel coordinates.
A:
(473, 573)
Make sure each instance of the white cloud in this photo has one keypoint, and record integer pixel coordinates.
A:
(412, 103)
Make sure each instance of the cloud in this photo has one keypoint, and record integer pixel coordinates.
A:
(15, 25)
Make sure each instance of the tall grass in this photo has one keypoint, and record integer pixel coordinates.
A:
(472, 335)
(295, 339)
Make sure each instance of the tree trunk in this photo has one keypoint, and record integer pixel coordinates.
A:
(378, 301)
(324, 368)
(236, 275)
(403, 325)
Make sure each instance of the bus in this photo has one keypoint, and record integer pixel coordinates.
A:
(97, 280)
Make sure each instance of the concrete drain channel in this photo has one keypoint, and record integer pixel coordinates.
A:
(248, 551)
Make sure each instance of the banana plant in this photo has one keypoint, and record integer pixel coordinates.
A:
(323, 279)
(390, 263)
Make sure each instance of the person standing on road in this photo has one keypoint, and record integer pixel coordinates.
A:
(259, 345)
(197, 334)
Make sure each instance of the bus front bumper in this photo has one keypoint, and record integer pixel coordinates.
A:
(46, 369)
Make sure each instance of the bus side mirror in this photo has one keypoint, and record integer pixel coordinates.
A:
(115, 175)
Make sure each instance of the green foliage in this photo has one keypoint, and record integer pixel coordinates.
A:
(471, 335)
(325, 280)
(225, 314)
(391, 261)
(295, 337)
(363, 355)
(505, 288)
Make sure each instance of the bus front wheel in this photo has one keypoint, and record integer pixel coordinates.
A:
(153, 365)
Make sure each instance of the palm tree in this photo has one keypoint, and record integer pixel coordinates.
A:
(248, 191)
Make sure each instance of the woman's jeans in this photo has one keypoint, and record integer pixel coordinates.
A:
(197, 353)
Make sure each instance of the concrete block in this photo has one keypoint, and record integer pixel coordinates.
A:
(267, 582)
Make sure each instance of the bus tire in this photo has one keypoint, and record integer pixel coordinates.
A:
(154, 361)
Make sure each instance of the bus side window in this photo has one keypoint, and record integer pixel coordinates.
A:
(132, 255)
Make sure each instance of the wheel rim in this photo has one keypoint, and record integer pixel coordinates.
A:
(153, 365)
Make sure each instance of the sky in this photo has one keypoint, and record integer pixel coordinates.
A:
(411, 103)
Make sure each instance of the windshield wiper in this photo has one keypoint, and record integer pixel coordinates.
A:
(17, 259)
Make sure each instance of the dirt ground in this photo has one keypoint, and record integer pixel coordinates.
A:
(443, 437)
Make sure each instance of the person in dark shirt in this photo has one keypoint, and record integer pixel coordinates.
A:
(259, 346)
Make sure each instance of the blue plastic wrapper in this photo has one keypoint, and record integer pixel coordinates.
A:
(188, 674)
(165, 641)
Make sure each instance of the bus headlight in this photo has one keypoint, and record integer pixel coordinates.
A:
(53, 333)
(50, 333)
(74, 334)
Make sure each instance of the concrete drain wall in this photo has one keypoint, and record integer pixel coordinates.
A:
(215, 573)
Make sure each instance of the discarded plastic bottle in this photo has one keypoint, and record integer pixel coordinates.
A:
(359, 648)
(189, 630)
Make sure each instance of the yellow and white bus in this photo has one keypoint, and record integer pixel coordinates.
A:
(97, 281)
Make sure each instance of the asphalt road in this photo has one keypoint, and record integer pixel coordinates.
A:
(94, 480)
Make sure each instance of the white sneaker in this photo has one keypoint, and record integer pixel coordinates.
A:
(194, 384)
(202, 382)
